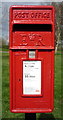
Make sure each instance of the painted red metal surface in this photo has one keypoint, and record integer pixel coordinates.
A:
(31, 28)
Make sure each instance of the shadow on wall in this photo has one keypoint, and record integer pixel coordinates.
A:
(44, 116)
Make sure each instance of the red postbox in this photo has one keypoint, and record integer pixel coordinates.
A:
(31, 59)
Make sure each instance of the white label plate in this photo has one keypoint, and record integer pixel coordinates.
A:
(32, 77)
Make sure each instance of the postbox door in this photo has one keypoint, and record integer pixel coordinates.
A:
(32, 99)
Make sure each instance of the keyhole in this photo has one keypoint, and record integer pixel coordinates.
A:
(19, 79)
